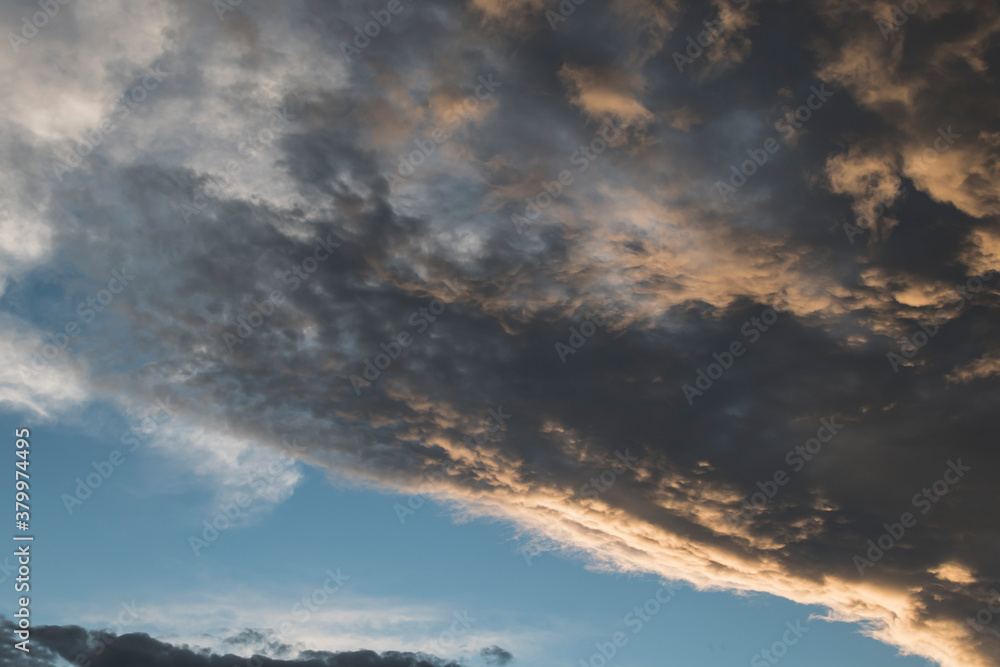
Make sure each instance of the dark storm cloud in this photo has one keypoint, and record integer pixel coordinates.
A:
(255, 639)
(494, 655)
(648, 201)
(71, 643)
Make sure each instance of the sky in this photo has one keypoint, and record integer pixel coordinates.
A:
(423, 333)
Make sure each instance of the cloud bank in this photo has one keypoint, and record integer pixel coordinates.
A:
(289, 279)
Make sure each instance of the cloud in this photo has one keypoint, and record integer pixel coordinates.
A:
(494, 655)
(50, 643)
(28, 379)
(230, 616)
(606, 94)
(871, 180)
(731, 44)
(233, 315)
(920, 102)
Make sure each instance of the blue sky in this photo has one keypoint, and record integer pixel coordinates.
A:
(130, 541)
(698, 293)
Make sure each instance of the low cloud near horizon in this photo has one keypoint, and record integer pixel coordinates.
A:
(54, 644)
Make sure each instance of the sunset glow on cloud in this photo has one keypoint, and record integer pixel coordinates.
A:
(700, 293)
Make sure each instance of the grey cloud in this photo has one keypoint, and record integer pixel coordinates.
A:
(51, 643)
(650, 202)
(494, 655)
